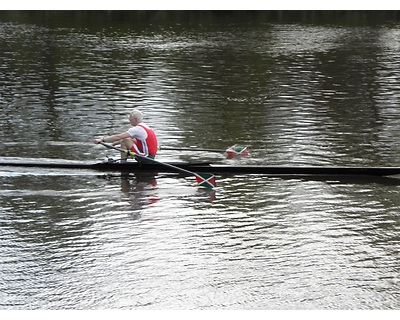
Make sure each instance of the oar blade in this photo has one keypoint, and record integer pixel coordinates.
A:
(237, 150)
(205, 180)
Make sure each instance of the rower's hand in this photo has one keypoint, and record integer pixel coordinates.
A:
(97, 141)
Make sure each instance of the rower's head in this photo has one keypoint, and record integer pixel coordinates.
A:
(135, 117)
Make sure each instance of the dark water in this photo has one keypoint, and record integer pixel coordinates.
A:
(295, 92)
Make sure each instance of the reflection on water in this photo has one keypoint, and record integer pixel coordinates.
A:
(125, 242)
(141, 193)
(295, 93)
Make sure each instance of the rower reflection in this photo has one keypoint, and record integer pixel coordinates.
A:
(140, 188)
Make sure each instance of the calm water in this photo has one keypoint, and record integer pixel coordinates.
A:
(295, 93)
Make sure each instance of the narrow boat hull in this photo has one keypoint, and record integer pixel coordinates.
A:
(201, 167)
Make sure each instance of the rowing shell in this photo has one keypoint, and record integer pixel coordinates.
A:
(132, 166)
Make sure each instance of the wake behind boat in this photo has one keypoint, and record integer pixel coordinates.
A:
(134, 166)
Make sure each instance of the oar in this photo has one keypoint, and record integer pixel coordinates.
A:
(190, 149)
(237, 150)
(204, 179)
(231, 151)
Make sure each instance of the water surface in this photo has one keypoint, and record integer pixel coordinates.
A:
(295, 93)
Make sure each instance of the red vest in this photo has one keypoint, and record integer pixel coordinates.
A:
(150, 145)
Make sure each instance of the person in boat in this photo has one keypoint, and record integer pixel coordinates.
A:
(140, 138)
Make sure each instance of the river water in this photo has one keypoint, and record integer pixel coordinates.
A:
(294, 92)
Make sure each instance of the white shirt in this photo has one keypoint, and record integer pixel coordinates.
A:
(138, 132)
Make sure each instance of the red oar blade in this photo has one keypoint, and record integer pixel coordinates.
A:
(205, 180)
(237, 150)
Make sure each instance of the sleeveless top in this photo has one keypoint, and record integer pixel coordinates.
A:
(145, 147)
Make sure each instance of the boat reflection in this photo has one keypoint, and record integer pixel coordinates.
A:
(349, 179)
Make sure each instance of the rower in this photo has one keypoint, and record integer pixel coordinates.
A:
(140, 138)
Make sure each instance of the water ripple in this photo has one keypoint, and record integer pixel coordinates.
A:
(295, 94)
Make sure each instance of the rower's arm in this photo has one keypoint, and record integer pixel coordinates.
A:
(113, 138)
